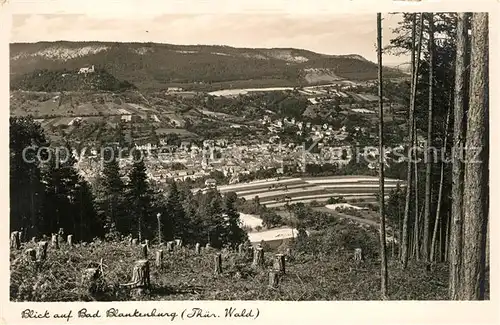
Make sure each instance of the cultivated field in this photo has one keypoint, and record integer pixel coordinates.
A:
(277, 192)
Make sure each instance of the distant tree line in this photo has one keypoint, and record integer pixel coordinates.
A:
(50, 195)
(65, 80)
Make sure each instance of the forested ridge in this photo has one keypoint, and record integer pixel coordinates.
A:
(151, 65)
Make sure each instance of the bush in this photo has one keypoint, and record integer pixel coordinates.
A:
(343, 237)
(335, 200)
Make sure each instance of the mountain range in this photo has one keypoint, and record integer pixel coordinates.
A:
(157, 66)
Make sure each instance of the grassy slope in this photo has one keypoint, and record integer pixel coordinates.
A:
(187, 276)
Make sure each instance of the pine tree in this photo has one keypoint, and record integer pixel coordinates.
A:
(234, 234)
(61, 179)
(405, 247)
(383, 251)
(210, 214)
(112, 200)
(428, 170)
(139, 199)
(69, 202)
(476, 188)
(177, 224)
(89, 224)
(460, 103)
(26, 188)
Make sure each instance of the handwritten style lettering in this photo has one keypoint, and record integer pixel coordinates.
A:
(30, 313)
(233, 312)
(198, 312)
(114, 312)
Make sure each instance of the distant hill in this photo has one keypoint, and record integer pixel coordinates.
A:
(152, 65)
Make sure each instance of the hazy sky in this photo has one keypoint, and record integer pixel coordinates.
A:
(329, 34)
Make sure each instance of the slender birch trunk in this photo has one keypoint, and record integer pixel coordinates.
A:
(440, 191)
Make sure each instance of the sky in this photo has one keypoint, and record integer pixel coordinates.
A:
(328, 34)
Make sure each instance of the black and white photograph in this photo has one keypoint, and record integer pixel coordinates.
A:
(249, 157)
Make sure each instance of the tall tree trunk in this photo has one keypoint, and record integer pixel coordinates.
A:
(439, 245)
(476, 177)
(383, 251)
(440, 191)
(140, 227)
(428, 162)
(447, 238)
(416, 243)
(455, 244)
(414, 67)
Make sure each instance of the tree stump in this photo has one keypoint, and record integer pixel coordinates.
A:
(241, 249)
(159, 259)
(140, 275)
(250, 252)
(258, 257)
(33, 240)
(89, 279)
(55, 241)
(289, 255)
(130, 241)
(31, 254)
(134, 242)
(170, 246)
(279, 263)
(146, 242)
(14, 240)
(218, 263)
(144, 251)
(41, 252)
(70, 240)
(197, 248)
(273, 279)
(207, 246)
(358, 254)
(178, 243)
(20, 236)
